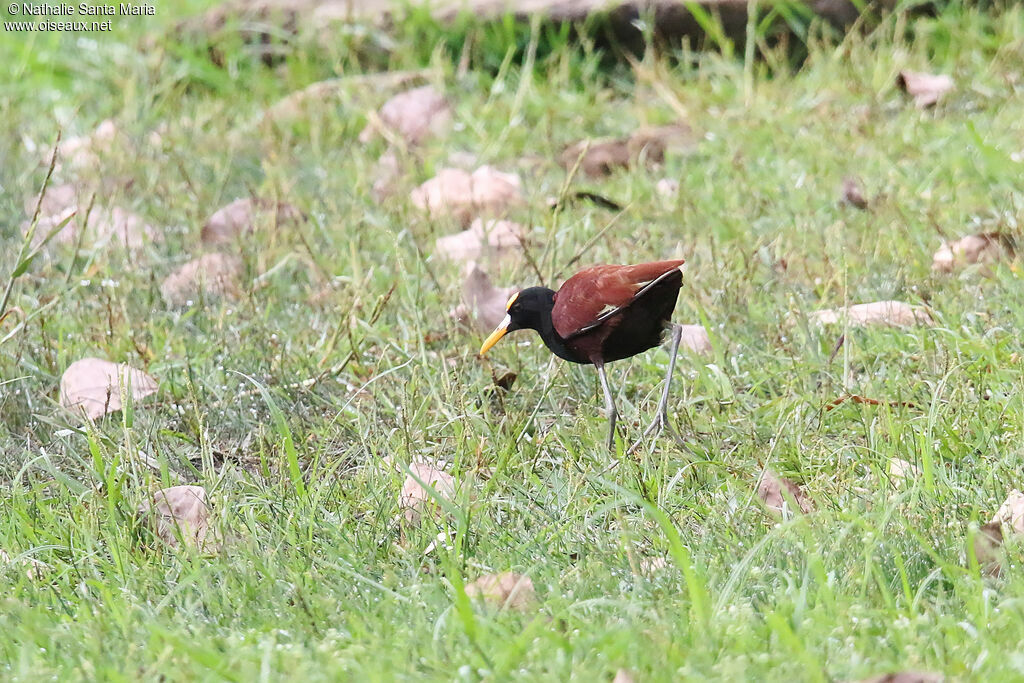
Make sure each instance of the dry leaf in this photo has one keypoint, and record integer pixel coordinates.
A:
(1011, 512)
(211, 275)
(484, 238)
(484, 301)
(988, 247)
(906, 677)
(650, 143)
(415, 499)
(34, 569)
(463, 195)
(244, 216)
(504, 380)
(926, 89)
(93, 386)
(895, 313)
(696, 339)
(623, 676)
(413, 115)
(181, 512)
(601, 157)
(990, 536)
(987, 543)
(775, 492)
(900, 471)
(506, 590)
(853, 193)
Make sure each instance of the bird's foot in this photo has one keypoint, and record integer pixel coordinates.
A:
(659, 424)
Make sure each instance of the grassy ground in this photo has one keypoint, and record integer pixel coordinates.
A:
(315, 582)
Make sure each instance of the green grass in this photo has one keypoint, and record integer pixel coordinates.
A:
(315, 581)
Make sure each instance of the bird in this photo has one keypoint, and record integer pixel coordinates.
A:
(600, 315)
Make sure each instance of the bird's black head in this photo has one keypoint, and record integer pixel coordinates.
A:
(529, 309)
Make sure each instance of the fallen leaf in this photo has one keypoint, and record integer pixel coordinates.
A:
(987, 247)
(601, 157)
(906, 677)
(245, 216)
(211, 275)
(484, 301)
(775, 492)
(987, 543)
(926, 89)
(990, 537)
(505, 380)
(462, 195)
(623, 676)
(415, 499)
(900, 471)
(650, 143)
(93, 386)
(34, 569)
(895, 313)
(853, 193)
(696, 339)
(181, 512)
(484, 238)
(507, 590)
(414, 115)
(1011, 512)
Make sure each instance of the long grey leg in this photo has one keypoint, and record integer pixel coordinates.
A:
(660, 420)
(677, 336)
(609, 404)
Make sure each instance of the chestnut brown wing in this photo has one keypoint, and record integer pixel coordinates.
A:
(583, 300)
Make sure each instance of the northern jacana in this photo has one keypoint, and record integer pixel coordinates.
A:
(603, 314)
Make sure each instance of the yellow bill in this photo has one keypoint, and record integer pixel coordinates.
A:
(498, 333)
